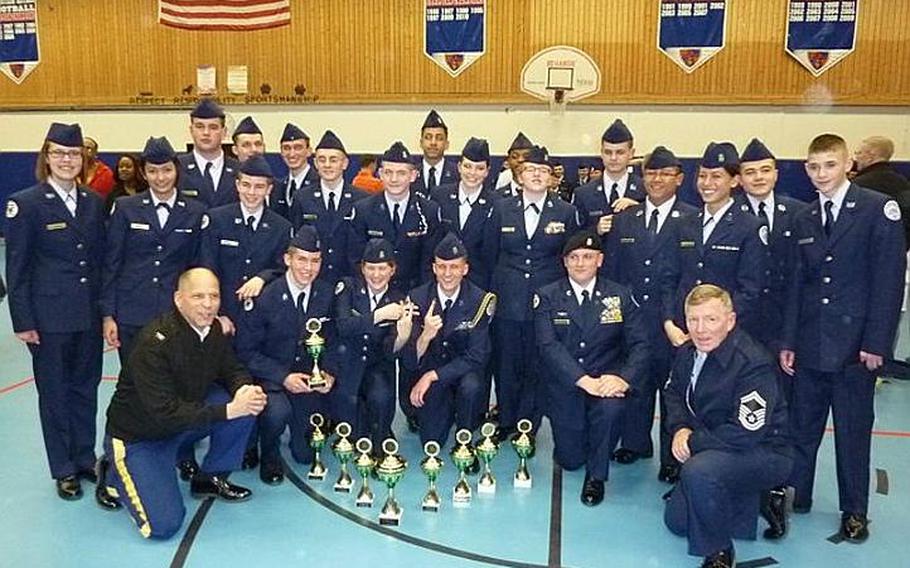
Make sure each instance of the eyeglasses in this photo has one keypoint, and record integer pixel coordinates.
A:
(665, 174)
(60, 154)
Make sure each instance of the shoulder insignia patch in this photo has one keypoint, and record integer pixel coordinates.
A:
(339, 288)
(12, 209)
(752, 408)
(892, 210)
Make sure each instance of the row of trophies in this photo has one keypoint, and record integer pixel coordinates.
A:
(390, 468)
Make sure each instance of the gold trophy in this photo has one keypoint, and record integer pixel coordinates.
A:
(390, 471)
(463, 457)
(364, 465)
(344, 451)
(486, 450)
(431, 465)
(317, 442)
(524, 447)
(315, 346)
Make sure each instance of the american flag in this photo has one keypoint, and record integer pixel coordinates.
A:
(231, 15)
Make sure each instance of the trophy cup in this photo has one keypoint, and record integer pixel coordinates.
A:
(431, 465)
(344, 451)
(317, 441)
(315, 345)
(486, 450)
(390, 471)
(524, 447)
(463, 458)
(364, 465)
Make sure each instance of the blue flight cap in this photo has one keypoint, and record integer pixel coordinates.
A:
(617, 133)
(377, 251)
(291, 133)
(720, 155)
(330, 141)
(538, 155)
(207, 108)
(65, 134)
(256, 166)
(433, 120)
(450, 248)
(158, 151)
(660, 158)
(476, 150)
(247, 126)
(756, 151)
(306, 239)
(398, 154)
(521, 142)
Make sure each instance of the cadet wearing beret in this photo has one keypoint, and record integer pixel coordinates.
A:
(54, 253)
(593, 342)
(248, 140)
(295, 152)
(433, 170)
(206, 173)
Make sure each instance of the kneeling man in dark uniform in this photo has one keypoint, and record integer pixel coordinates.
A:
(181, 382)
(729, 427)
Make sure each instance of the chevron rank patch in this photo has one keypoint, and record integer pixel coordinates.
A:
(752, 409)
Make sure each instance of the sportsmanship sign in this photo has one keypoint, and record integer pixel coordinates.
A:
(455, 33)
(821, 33)
(690, 33)
(18, 38)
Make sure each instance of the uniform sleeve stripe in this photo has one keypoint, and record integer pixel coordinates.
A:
(145, 528)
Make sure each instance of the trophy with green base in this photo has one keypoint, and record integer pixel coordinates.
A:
(315, 346)
(364, 465)
(463, 458)
(524, 447)
(486, 450)
(344, 451)
(431, 465)
(318, 470)
(390, 471)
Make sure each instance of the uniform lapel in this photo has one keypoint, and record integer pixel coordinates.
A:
(845, 217)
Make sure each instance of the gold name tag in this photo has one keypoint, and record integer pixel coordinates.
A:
(508, 229)
(190, 192)
(686, 244)
(55, 226)
(562, 321)
(139, 226)
(310, 216)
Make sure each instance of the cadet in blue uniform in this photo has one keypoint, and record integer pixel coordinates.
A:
(523, 242)
(465, 206)
(271, 344)
(374, 323)
(507, 184)
(54, 252)
(729, 426)
(721, 245)
(433, 170)
(244, 243)
(593, 341)
(248, 140)
(327, 204)
(842, 314)
(408, 221)
(151, 239)
(295, 151)
(181, 383)
(449, 348)
(206, 173)
(635, 256)
(617, 189)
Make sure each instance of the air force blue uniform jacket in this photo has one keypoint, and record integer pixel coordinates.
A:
(192, 183)
(592, 199)
(472, 234)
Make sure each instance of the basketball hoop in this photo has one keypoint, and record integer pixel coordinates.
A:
(560, 75)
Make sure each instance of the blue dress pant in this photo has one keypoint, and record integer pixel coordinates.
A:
(593, 445)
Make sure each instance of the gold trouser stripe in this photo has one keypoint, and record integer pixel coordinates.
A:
(145, 529)
(482, 309)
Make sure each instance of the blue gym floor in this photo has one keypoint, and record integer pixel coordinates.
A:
(306, 524)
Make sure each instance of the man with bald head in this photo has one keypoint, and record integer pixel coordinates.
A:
(181, 382)
(874, 171)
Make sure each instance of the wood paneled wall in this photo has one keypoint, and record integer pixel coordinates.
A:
(113, 53)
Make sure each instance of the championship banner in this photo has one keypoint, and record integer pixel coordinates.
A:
(454, 34)
(18, 38)
(690, 33)
(821, 33)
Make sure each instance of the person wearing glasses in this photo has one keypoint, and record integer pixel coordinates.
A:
(54, 251)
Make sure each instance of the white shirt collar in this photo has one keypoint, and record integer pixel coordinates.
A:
(201, 161)
(578, 289)
(170, 202)
(297, 290)
(426, 170)
(257, 216)
(837, 198)
(301, 176)
(526, 201)
(768, 201)
(202, 333)
(58, 189)
(621, 184)
(663, 211)
(720, 212)
(390, 203)
(442, 297)
(471, 198)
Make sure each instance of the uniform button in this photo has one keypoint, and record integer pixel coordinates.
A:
(647, 279)
(331, 267)
(363, 358)
(582, 344)
(527, 275)
(364, 348)
(297, 359)
(82, 263)
(155, 279)
(826, 301)
(767, 273)
(330, 251)
(697, 282)
(445, 343)
(157, 263)
(83, 280)
(247, 261)
(159, 248)
(645, 297)
(245, 278)
(527, 261)
(700, 264)
(581, 359)
(826, 279)
(829, 258)
(648, 262)
(528, 247)
(79, 246)
(765, 290)
(365, 336)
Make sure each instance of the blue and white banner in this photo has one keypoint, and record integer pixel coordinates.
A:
(821, 33)
(455, 33)
(689, 32)
(18, 38)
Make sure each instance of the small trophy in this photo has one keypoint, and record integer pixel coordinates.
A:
(524, 447)
(486, 450)
(431, 465)
(315, 345)
(364, 465)
(317, 442)
(344, 451)
(390, 471)
(463, 458)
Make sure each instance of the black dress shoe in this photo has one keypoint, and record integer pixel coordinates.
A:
(102, 496)
(722, 559)
(774, 511)
(592, 492)
(854, 527)
(271, 473)
(626, 456)
(669, 473)
(69, 488)
(216, 486)
(188, 468)
(250, 459)
(413, 426)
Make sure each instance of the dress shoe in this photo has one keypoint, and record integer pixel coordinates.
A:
(854, 527)
(722, 559)
(625, 456)
(271, 473)
(88, 475)
(774, 511)
(592, 492)
(250, 459)
(188, 468)
(669, 473)
(69, 488)
(204, 485)
(102, 496)
(413, 426)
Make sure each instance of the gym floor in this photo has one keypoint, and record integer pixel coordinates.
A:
(306, 523)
